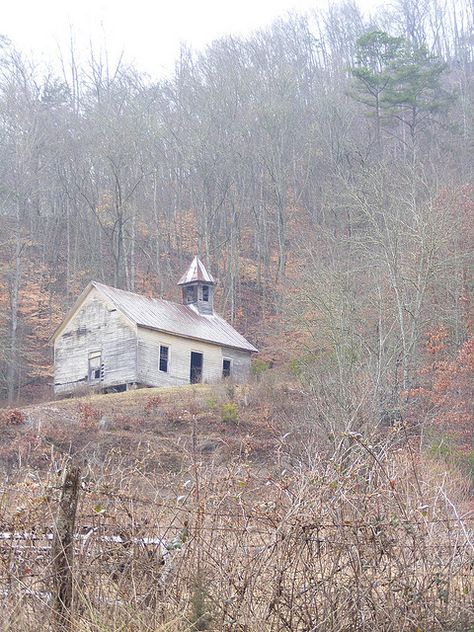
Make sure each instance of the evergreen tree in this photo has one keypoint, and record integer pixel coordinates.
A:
(414, 92)
(375, 57)
(400, 83)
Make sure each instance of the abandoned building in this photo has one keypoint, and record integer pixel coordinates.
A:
(113, 339)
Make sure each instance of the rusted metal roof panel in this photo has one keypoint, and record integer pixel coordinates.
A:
(196, 272)
(173, 318)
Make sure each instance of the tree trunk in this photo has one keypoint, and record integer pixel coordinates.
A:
(14, 290)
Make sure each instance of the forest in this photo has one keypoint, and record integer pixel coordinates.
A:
(321, 167)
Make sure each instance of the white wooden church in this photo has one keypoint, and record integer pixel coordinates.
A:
(113, 340)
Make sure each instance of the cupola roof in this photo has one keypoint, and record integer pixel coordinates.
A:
(196, 273)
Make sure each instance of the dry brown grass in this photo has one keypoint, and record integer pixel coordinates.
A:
(379, 544)
(262, 534)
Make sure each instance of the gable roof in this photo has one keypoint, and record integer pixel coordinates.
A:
(168, 317)
(196, 272)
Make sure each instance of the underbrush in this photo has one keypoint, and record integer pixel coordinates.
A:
(381, 539)
(445, 449)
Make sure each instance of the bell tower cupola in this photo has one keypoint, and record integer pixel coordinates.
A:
(198, 287)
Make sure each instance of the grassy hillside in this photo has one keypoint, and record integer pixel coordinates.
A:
(226, 420)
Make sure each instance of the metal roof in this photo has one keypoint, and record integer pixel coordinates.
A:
(174, 318)
(196, 272)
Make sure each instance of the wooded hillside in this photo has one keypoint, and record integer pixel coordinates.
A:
(321, 167)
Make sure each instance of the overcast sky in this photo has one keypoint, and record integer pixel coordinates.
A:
(150, 32)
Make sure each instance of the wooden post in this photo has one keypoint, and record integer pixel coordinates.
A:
(63, 549)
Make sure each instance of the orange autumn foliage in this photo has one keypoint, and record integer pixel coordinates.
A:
(447, 395)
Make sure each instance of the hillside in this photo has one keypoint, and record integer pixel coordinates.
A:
(158, 422)
(186, 515)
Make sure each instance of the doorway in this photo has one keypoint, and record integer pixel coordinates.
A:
(195, 375)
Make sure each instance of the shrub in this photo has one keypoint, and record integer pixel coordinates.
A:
(152, 403)
(14, 417)
(295, 367)
(258, 368)
(200, 616)
(444, 447)
(302, 365)
(88, 415)
(230, 413)
(127, 422)
(11, 417)
(212, 403)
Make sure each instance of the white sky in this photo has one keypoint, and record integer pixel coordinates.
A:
(149, 32)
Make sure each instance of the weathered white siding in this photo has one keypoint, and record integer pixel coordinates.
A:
(149, 342)
(96, 326)
(131, 354)
(240, 363)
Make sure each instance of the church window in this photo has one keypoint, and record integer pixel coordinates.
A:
(226, 368)
(95, 371)
(164, 356)
(190, 294)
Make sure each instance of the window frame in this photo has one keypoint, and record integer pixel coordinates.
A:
(205, 296)
(229, 360)
(201, 353)
(92, 370)
(190, 294)
(168, 355)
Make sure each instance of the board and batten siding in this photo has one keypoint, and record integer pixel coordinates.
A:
(179, 360)
(96, 326)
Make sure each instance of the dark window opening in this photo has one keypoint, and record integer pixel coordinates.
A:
(95, 371)
(164, 355)
(205, 293)
(226, 368)
(118, 388)
(190, 294)
(195, 375)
